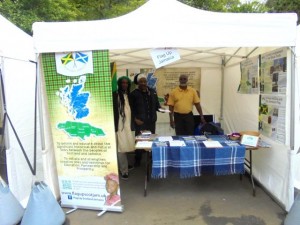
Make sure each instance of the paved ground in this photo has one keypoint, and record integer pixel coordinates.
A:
(207, 200)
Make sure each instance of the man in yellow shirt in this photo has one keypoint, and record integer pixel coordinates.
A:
(180, 102)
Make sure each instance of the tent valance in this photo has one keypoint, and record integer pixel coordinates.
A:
(168, 23)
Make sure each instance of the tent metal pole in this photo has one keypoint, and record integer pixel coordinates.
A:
(222, 89)
(293, 91)
(40, 105)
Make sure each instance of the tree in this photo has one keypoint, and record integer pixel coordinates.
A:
(227, 6)
(24, 13)
(284, 6)
(104, 9)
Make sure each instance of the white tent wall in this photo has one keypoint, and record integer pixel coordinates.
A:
(19, 77)
(274, 167)
(296, 152)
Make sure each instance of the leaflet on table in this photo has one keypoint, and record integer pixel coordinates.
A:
(165, 138)
(232, 143)
(161, 144)
(146, 132)
(201, 138)
(176, 143)
(143, 137)
(212, 144)
(143, 144)
(189, 138)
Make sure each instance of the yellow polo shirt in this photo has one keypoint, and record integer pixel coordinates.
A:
(183, 100)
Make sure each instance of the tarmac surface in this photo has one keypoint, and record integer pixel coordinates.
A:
(206, 200)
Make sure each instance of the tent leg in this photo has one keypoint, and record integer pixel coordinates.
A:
(248, 164)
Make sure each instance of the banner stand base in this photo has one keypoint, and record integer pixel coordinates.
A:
(105, 210)
(70, 211)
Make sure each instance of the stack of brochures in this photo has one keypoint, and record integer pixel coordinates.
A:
(146, 132)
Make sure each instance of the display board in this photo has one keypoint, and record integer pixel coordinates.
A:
(273, 85)
(168, 79)
(79, 94)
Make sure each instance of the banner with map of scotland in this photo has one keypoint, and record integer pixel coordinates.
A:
(82, 125)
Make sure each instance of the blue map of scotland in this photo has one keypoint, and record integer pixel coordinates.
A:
(75, 99)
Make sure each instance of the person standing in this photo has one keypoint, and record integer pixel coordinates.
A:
(181, 101)
(145, 104)
(124, 127)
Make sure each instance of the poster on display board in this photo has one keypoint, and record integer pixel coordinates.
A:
(272, 122)
(81, 117)
(168, 79)
(273, 78)
(249, 76)
(165, 79)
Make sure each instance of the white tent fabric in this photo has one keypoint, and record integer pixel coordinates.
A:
(215, 42)
(168, 23)
(19, 74)
(297, 114)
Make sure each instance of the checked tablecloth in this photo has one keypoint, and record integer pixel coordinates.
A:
(195, 159)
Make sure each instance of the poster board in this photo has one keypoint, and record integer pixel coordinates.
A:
(168, 79)
(273, 99)
(81, 116)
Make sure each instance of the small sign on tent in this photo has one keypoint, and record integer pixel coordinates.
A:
(164, 56)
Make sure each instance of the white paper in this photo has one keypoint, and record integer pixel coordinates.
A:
(143, 145)
(164, 110)
(164, 56)
(176, 143)
(166, 138)
(212, 144)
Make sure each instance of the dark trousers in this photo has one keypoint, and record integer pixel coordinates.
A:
(146, 126)
(184, 123)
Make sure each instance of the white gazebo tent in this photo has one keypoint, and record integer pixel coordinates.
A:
(216, 42)
(18, 69)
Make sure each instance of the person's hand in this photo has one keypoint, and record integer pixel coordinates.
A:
(138, 122)
(172, 124)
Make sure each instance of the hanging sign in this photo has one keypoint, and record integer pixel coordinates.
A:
(164, 56)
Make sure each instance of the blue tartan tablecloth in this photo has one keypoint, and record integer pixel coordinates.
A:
(195, 159)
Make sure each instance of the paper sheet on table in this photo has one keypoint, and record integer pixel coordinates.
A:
(176, 143)
(212, 144)
(166, 138)
(143, 144)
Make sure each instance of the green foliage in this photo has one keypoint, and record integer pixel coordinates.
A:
(24, 13)
(227, 6)
(284, 6)
(103, 9)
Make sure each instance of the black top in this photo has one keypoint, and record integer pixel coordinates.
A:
(145, 105)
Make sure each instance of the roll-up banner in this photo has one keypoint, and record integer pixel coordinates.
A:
(79, 94)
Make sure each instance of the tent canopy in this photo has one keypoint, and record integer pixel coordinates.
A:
(199, 35)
